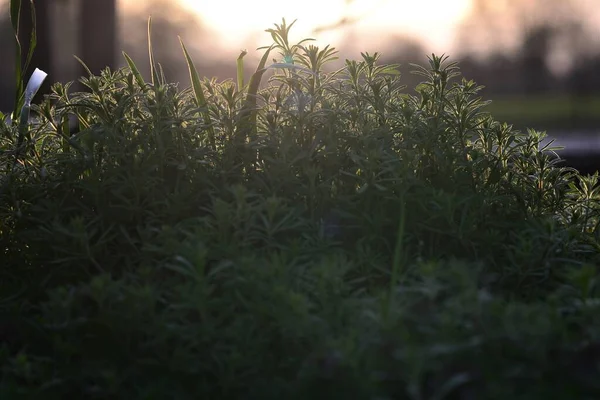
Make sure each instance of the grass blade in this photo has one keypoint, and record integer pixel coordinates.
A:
(246, 127)
(248, 112)
(15, 15)
(32, 38)
(199, 94)
(240, 70)
(85, 67)
(15, 11)
(153, 72)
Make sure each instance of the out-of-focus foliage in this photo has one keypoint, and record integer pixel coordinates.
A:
(538, 46)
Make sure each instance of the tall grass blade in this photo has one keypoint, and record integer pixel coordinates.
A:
(15, 15)
(248, 112)
(153, 72)
(15, 11)
(199, 94)
(161, 74)
(247, 118)
(32, 38)
(240, 70)
(85, 67)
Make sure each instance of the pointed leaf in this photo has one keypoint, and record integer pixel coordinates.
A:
(199, 94)
(240, 70)
(153, 73)
(85, 67)
(135, 71)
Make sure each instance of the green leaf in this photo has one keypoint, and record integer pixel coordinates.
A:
(199, 94)
(15, 13)
(153, 73)
(248, 114)
(33, 37)
(135, 71)
(240, 70)
(85, 67)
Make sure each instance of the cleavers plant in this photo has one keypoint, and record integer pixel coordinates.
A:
(299, 234)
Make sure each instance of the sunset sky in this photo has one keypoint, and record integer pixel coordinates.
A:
(233, 25)
(432, 21)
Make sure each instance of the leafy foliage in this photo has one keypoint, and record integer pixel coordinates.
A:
(306, 235)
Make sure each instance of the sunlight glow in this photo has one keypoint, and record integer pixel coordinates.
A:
(431, 21)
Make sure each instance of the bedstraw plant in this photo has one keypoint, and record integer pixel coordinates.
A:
(293, 234)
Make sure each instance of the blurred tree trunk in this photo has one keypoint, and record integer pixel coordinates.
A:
(534, 67)
(98, 34)
(42, 56)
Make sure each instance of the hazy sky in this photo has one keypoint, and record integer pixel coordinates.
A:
(432, 21)
(240, 24)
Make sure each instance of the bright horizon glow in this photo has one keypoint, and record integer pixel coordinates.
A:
(432, 22)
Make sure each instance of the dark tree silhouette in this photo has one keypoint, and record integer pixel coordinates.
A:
(530, 32)
(98, 33)
(533, 60)
(97, 36)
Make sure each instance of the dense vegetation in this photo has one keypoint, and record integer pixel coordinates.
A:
(304, 235)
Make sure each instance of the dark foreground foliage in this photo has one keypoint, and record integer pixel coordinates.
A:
(322, 235)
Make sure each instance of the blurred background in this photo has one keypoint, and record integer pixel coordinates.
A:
(538, 59)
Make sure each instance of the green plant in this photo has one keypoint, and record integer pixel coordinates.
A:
(307, 234)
